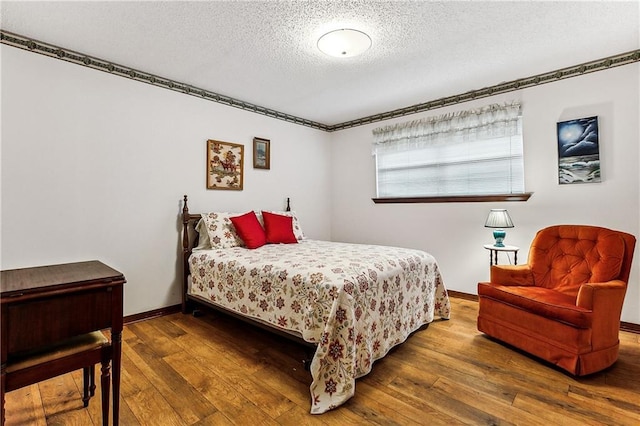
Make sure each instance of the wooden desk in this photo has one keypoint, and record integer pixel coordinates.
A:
(44, 305)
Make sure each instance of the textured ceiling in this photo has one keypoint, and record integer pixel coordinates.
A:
(264, 52)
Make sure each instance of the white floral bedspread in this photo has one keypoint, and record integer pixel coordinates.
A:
(355, 301)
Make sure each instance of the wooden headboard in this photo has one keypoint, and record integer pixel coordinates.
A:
(188, 220)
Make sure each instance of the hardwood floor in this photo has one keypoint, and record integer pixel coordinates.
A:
(210, 370)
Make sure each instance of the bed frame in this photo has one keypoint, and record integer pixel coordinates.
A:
(191, 303)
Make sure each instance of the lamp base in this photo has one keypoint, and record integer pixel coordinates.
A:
(499, 235)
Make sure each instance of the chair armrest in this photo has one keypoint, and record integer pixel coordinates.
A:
(606, 296)
(605, 301)
(511, 275)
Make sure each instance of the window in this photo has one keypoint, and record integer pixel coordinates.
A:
(475, 152)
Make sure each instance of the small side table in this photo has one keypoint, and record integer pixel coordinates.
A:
(493, 253)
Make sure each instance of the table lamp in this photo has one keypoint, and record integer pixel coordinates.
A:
(498, 219)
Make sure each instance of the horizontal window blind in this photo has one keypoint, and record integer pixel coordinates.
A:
(476, 152)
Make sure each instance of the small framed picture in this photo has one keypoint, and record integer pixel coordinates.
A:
(578, 151)
(261, 154)
(225, 161)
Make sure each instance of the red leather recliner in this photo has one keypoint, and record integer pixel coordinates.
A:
(564, 306)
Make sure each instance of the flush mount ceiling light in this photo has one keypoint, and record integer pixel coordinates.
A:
(344, 43)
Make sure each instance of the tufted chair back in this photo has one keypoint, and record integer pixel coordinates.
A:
(563, 257)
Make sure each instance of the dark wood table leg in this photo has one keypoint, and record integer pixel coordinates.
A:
(105, 388)
(115, 381)
(3, 372)
(86, 385)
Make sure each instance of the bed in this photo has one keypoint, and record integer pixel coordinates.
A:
(353, 302)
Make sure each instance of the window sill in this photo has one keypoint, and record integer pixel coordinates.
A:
(455, 199)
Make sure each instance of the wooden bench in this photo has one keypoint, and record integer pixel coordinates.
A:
(80, 352)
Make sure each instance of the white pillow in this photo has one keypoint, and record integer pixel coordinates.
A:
(203, 236)
(220, 229)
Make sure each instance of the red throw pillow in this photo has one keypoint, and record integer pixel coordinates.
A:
(279, 228)
(250, 230)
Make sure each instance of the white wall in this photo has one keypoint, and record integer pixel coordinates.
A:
(454, 232)
(94, 166)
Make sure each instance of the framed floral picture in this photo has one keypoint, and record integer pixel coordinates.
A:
(261, 153)
(225, 164)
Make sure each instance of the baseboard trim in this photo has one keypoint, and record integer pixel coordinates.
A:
(624, 326)
(461, 295)
(167, 310)
(630, 327)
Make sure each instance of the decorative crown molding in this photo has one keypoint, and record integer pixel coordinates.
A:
(510, 86)
(52, 51)
(25, 43)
